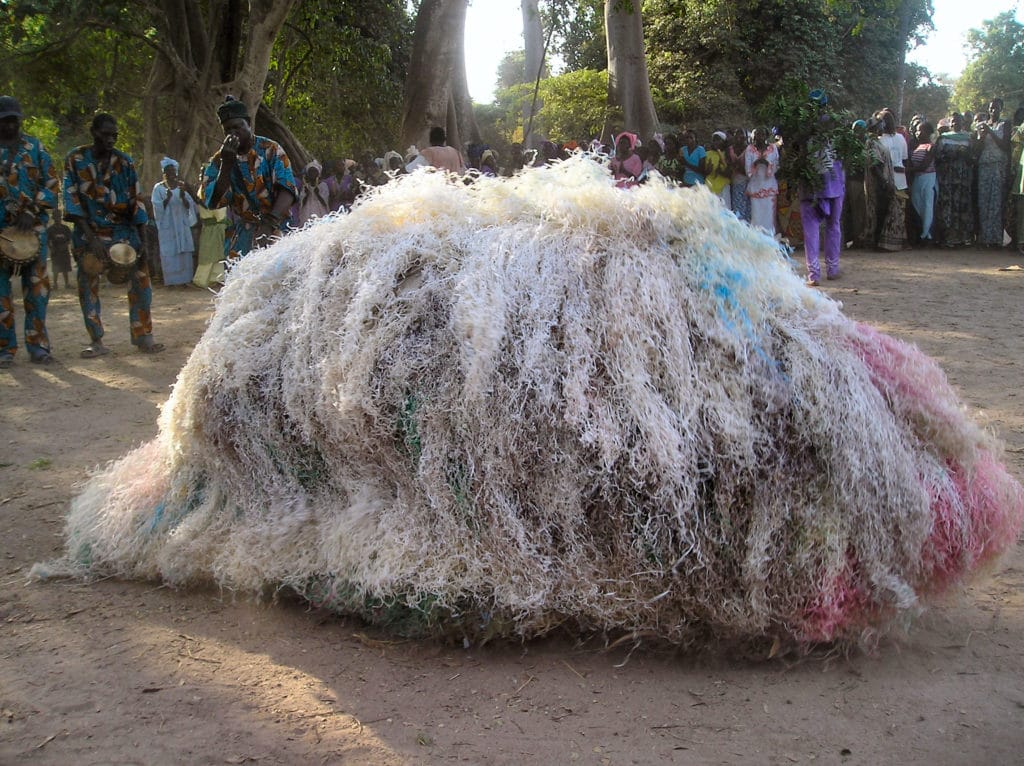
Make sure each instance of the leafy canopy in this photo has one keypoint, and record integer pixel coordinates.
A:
(996, 68)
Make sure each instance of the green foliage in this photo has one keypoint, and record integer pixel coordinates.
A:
(926, 95)
(996, 68)
(575, 104)
(65, 61)
(807, 129)
(713, 62)
(337, 70)
(579, 38)
(511, 70)
(43, 128)
(337, 75)
(573, 107)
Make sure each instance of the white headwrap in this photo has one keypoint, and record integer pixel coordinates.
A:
(317, 165)
(721, 135)
(167, 162)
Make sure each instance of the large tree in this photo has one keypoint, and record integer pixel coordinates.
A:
(579, 34)
(629, 87)
(436, 90)
(533, 54)
(996, 68)
(201, 51)
(327, 75)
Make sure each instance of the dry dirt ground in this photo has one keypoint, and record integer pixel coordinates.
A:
(134, 673)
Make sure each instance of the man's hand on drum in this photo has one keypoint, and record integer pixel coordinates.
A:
(26, 221)
(96, 245)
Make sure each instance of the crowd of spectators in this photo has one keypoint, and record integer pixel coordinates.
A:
(952, 182)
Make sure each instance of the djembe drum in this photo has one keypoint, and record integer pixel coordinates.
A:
(18, 249)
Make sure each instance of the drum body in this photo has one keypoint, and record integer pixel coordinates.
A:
(117, 262)
(18, 249)
(122, 261)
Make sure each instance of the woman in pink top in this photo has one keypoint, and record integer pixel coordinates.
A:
(761, 160)
(626, 165)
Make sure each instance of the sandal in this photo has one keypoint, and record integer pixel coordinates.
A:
(43, 358)
(152, 348)
(95, 350)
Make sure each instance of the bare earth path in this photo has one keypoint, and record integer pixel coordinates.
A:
(132, 673)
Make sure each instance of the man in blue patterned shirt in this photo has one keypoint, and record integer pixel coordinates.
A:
(252, 177)
(101, 198)
(28, 192)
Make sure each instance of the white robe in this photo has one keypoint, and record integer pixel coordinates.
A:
(311, 205)
(174, 224)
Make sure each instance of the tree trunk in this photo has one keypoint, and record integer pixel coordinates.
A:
(468, 131)
(629, 88)
(436, 92)
(274, 128)
(901, 69)
(533, 43)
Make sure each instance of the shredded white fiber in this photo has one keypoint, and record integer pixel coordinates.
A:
(491, 410)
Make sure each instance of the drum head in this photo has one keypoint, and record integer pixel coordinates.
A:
(122, 254)
(19, 246)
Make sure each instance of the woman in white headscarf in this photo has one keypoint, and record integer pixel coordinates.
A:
(174, 207)
(314, 195)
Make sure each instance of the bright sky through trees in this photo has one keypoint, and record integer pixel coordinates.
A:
(495, 27)
(944, 52)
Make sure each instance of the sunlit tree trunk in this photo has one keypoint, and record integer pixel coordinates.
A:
(629, 88)
(533, 44)
(901, 69)
(436, 90)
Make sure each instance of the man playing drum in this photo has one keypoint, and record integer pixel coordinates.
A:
(101, 199)
(253, 177)
(28, 191)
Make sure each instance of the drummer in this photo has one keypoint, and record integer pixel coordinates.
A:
(253, 177)
(101, 199)
(28, 191)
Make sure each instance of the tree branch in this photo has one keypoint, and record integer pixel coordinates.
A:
(183, 69)
(286, 83)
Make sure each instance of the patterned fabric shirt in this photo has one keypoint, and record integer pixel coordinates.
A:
(108, 198)
(251, 193)
(28, 182)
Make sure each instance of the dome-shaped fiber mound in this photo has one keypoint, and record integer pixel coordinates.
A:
(544, 401)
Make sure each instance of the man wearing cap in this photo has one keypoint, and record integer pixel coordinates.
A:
(101, 199)
(175, 212)
(28, 191)
(252, 176)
